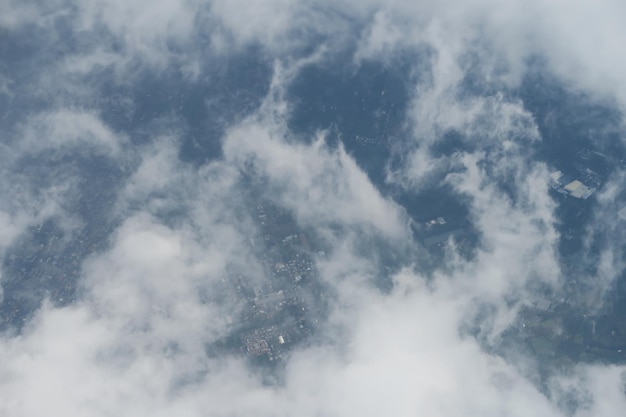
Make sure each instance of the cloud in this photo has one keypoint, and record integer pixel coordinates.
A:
(69, 129)
(322, 186)
(159, 244)
(404, 355)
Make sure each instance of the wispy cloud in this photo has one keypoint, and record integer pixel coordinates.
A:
(134, 164)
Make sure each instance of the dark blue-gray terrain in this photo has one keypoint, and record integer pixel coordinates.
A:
(279, 208)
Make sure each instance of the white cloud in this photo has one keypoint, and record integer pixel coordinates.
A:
(66, 130)
(134, 341)
(403, 356)
(256, 21)
(323, 186)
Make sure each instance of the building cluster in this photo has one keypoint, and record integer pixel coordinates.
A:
(294, 267)
(268, 341)
(573, 187)
(558, 330)
(279, 310)
(584, 175)
(435, 233)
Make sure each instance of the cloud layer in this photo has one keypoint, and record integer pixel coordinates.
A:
(142, 143)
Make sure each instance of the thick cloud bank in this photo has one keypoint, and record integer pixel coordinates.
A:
(296, 208)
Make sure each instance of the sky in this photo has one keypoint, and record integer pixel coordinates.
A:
(131, 132)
